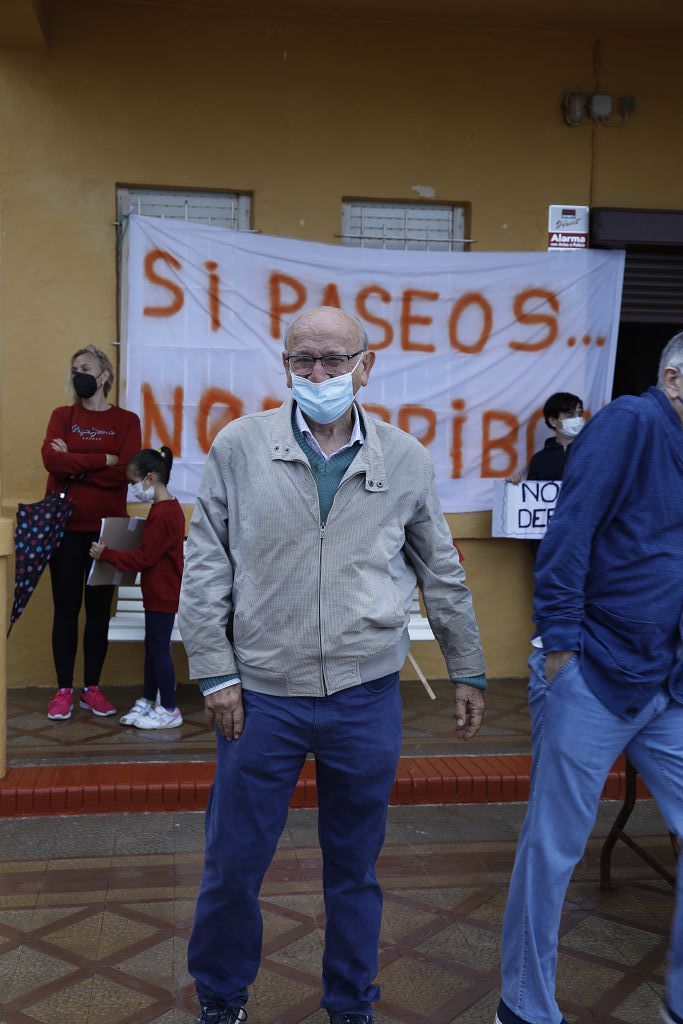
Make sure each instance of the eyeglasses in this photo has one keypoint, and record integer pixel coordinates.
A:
(333, 365)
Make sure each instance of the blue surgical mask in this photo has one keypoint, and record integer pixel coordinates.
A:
(327, 401)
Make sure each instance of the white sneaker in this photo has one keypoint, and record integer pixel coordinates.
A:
(159, 718)
(141, 708)
(505, 1016)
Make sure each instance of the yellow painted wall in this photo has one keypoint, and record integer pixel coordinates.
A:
(301, 112)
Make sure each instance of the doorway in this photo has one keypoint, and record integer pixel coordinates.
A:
(638, 350)
(652, 297)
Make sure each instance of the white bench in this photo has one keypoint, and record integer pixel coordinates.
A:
(128, 624)
(129, 621)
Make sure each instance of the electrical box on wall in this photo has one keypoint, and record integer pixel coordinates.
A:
(600, 106)
(568, 227)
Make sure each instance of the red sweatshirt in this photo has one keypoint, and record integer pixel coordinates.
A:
(158, 556)
(90, 437)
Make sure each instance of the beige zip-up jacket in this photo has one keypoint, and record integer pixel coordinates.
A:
(300, 608)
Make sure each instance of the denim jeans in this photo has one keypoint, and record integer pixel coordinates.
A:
(355, 736)
(575, 741)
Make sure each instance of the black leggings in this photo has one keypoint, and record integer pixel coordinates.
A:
(69, 568)
(159, 670)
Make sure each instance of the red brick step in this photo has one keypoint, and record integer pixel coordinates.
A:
(184, 786)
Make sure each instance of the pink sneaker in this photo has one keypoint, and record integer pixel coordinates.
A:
(61, 704)
(94, 699)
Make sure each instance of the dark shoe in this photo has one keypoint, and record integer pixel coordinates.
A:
(506, 1016)
(351, 1018)
(221, 1015)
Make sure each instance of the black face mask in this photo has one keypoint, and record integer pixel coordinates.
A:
(85, 385)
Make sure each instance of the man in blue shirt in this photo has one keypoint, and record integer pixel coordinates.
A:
(609, 677)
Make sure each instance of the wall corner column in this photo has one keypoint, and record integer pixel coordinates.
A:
(6, 550)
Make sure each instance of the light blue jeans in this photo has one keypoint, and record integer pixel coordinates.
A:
(575, 741)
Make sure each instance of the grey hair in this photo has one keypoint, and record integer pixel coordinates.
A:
(363, 337)
(671, 356)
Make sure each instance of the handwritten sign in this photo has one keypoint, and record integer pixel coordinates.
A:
(468, 345)
(523, 511)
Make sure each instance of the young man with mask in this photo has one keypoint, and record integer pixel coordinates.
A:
(563, 413)
(312, 525)
(608, 607)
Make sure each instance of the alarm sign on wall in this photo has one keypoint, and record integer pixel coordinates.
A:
(568, 227)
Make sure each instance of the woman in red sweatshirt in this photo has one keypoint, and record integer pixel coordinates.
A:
(159, 557)
(88, 443)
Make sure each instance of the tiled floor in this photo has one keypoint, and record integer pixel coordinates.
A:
(428, 728)
(95, 913)
(96, 910)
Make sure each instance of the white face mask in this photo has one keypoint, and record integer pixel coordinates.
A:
(572, 427)
(141, 493)
(327, 401)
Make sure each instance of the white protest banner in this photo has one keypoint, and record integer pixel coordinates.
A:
(468, 345)
(523, 511)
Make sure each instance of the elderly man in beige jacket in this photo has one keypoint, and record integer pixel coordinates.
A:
(312, 526)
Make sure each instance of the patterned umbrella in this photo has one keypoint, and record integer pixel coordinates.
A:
(38, 534)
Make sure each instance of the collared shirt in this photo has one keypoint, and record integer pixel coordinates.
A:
(608, 580)
(389, 459)
(356, 434)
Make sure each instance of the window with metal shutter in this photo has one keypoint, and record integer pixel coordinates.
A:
(226, 209)
(377, 224)
(653, 274)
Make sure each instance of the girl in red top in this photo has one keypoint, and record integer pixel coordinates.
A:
(159, 557)
(87, 444)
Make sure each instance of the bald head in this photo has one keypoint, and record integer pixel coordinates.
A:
(329, 334)
(325, 323)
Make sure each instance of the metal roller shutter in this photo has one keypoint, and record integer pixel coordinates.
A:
(653, 276)
(653, 286)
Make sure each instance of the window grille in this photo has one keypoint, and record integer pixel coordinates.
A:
(377, 224)
(226, 209)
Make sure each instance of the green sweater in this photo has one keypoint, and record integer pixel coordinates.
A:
(327, 473)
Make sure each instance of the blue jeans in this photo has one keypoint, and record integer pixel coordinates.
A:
(355, 736)
(575, 741)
